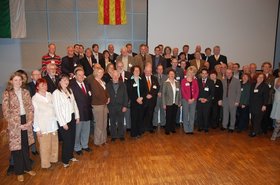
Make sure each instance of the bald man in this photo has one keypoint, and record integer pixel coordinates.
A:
(126, 59)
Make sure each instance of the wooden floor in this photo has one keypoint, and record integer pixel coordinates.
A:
(216, 158)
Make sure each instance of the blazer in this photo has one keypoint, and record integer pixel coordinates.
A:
(189, 87)
(161, 60)
(64, 107)
(83, 100)
(202, 65)
(167, 93)
(100, 56)
(103, 63)
(213, 62)
(245, 94)
(68, 67)
(203, 57)
(86, 65)
(132, 91)
(130, 62)
(51, 85)
(161, 81)
(99, 94)
(234, 90)
(270, 82)
(32, 88)
(117, 100)
(11, 113)
(138, 60)
(113, 58)
(208, 91)
(153, 90)
(258, 97)
(218, 95)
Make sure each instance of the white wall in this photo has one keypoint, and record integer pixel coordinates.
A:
(245, 30)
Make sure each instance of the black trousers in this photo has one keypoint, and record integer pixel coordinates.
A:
(267, 122)
(21, 157)
(203, 110)
(256, 119)
(116, 122)
(136, 114)
(242, 119)
(171, 112)
(215, 114)
(68, 140)
(148, 113)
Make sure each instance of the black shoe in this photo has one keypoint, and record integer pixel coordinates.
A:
(173, 131)
(122, 139)
(223, 129)
(154, 127)
(35, 153)
(87, 149)
(10, 170)
(252, 134)
(152, 131)
(199, 130)
(167, 133)
(206, 130)
(113, 139)
(189, 133)
(162, 127)
(230, 131)
(79, 152)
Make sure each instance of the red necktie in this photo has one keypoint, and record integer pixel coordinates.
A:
(203, 83)
(83, 89)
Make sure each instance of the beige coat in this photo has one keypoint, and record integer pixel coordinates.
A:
(11, 112)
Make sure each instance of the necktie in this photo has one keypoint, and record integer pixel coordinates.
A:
(149, 83)
(53, 79)
(203, 83)
(90, 62)
(83, 89)
(121, 78)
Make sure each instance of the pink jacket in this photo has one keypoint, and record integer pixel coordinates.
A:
(187, 88)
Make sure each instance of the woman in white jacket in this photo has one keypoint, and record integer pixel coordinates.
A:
(67, 114)
(45, 124)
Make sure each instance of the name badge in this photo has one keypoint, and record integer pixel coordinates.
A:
(129, 65)
(206, 89)
(177, 89)
(125, 78)
(269, 85)
(154, 87)
(187, 84)
(89, 93)
(217, 86)
(178, 78)
(134, 85)
(241, 89)
(53, 62)
(256, 90)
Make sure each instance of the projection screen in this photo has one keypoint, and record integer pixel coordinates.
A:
(245, 30)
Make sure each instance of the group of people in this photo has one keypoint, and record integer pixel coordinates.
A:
(136, 92)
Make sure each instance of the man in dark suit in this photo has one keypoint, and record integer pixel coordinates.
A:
(96, 54)
(207, 53)
(217, 58)
(69, 62)
(129, 50)
(124, 76)
(150, 101)
(117, 106)
(157, 59)
(198, 49)
(113, 55)
(82, 94)
(206, 94)
(186, 51)
(51, 78)
(87, 62)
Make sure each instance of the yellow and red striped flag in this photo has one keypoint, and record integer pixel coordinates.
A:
(112, 12)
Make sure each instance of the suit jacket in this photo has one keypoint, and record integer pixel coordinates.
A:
(99, 94)
(218, 95)
(167, 93)
(208, 91)
(51, 86)
(100, 56)
(132, 91)
(161, 80)
(258, 97)
(270, 82)
(68, 67)
(234, 91)
(117, 100)
(203, 57)
(142, 62)
(161, 61)
(32, 88)
(202, 65)
(113, 58)
(153, 90)
(130, 62)
(11, 113)
(82, 100)
(213, 62)
(86, 65)
(103, 63)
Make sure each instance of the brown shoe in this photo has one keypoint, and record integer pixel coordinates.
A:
(20, 178)
(32, 173)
